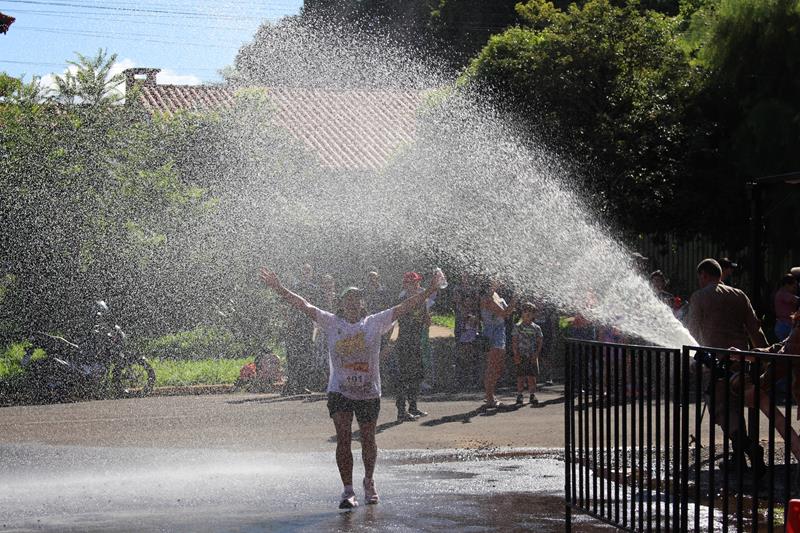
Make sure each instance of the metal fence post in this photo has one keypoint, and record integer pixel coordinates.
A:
(568, 444)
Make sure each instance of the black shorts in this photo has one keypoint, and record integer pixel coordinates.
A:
(365, 410)
(529, 366)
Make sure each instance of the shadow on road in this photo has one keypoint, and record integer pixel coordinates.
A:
(307, 398)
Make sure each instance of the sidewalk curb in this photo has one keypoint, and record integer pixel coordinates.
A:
(193, 390)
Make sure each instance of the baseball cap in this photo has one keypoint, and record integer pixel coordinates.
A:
(411, 277)
(348, 290)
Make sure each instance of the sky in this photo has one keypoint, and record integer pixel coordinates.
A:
(189, 40)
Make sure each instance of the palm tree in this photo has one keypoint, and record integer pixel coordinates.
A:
(90, 81)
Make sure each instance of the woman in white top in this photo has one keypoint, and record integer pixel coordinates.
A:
(354, 383)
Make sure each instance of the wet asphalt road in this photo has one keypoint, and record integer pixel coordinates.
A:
(265, 463)
(66, 488)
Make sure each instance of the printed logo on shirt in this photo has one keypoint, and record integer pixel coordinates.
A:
(349, 346)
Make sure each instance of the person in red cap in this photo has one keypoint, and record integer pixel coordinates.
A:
(354, 384)
(410, 371)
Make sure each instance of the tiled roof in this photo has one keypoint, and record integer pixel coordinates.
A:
(347, 129)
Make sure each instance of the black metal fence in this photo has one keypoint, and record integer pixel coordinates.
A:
(676, 440)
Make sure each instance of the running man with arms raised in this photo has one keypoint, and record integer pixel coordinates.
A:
(354, 383)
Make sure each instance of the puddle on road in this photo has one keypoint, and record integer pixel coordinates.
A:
(103, 489)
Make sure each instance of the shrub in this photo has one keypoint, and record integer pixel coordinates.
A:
(202, 342)
(11, 359)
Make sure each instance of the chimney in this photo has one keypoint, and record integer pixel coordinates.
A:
(145, 76)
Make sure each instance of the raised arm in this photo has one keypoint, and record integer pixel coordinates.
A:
(408, 305)
(294, 300)
(488, 302)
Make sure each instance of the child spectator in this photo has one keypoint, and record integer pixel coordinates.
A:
(262, 375)
(659, 282)
(468, 369)
(527, 344)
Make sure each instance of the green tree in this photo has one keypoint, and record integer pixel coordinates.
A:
(89, 81)
(607, 87)
(752, 51)
(462, 27)
(90, 195)
(147, 212)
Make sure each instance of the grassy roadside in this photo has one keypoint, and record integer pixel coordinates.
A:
(447, 321)
(168, 373)
(11, 359)
(199, 372)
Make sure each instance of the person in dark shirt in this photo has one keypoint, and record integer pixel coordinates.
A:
(299, 336)
(728, 268)
(408, 350)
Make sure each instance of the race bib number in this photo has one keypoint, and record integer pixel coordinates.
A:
(356, 379)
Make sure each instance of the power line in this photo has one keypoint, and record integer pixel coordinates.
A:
(136, 10)
(115, 18)
(33, 63)
(117, 36)
(101, 33)
(64, 65)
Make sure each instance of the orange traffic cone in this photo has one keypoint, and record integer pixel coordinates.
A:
(793, 520)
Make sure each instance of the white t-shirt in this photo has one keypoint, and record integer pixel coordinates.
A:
(354, 353)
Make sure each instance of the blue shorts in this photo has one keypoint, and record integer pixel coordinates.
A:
(782, 330)
(495, 334)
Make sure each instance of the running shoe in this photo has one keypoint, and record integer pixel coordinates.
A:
(370, 492)
(404, 416)
(417, 413)
(493, 403)
(534, 400)
(519, 401)
(348, 500)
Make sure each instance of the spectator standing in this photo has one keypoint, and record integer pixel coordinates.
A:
(466, 301)
(640, 263)
(410, 370)
(659, 283)
(327, 289)
(547, 319)
(581, 327)
(318, 367)
(494, 312)
(721, 316)
(786, 302)
(728, 268)
(527, 340)
(376, 296)
(468, 355)
(299, 337)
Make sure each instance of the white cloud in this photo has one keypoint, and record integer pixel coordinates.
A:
(166, 76)
(171, 77)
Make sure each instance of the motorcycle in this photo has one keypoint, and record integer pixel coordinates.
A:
(98, 367)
